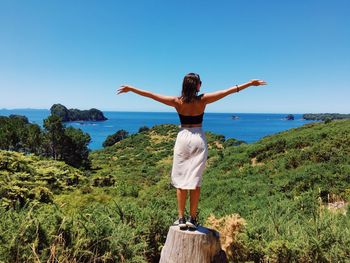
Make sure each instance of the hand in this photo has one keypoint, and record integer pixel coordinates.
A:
(257, 82)
(124, 89)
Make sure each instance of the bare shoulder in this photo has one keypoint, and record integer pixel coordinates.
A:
(177, 99)
(200, 102)
(212, 96)
(178, 102)
(202, 98)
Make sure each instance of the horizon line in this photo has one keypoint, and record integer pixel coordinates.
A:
(7, 109)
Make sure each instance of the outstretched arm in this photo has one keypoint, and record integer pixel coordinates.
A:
(168, 100)
(217, 95)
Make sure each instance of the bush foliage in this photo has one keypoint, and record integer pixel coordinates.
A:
(271, 199)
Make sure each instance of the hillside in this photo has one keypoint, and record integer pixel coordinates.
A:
(26, 178)
(281, 186)
(144, 159)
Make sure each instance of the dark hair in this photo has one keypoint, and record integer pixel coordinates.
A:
(189, 87)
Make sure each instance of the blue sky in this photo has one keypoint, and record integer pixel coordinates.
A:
(79, 52)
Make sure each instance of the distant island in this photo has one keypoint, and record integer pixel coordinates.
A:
(289, 117)
(325, 116)
(77, 115)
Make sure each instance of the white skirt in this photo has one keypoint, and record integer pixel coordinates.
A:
(190, 156)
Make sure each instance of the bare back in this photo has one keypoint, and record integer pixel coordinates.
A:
(194, 108)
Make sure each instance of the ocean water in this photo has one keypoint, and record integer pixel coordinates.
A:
(249, 127)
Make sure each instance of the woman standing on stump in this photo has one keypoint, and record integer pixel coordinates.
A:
(191, 150)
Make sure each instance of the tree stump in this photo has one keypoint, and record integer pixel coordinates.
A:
(186, 246)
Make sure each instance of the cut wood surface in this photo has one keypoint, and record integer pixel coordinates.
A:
(186, 246)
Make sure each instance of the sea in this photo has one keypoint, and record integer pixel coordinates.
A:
(248, 127)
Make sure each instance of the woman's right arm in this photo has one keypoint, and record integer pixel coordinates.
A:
(217, 95)
(168, 100)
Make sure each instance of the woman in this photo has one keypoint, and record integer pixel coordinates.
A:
(190, 151)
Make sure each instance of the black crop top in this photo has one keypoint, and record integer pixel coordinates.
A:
(186, 119)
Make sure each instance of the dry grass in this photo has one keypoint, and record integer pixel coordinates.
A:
(219, 145)
(338, 207)
(166, 161)
(156, 138)
(255, 163)
(229, 227)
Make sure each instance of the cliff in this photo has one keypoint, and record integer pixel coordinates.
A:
(77, 115)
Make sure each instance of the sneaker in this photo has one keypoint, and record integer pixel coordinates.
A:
(192, 223)
(182, 223)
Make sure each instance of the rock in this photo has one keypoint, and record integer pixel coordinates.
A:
(290, 117)
(77, 115)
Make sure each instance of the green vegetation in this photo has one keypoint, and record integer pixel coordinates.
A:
(143, 128)
(120, 209)
(31, 178)
(77, 115)
(55, 141)
(115, 137)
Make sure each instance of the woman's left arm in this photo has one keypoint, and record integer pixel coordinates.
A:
(168, 100)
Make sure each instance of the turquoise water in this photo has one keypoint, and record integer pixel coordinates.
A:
(250, 127)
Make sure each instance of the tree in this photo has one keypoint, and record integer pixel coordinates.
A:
(33, 140)
(114, 138)
(4, 132)
(17, 134)
(56, 141)
(67, 144)
(143, 128)
(55, 136)
(13, 131)
(76, 151)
